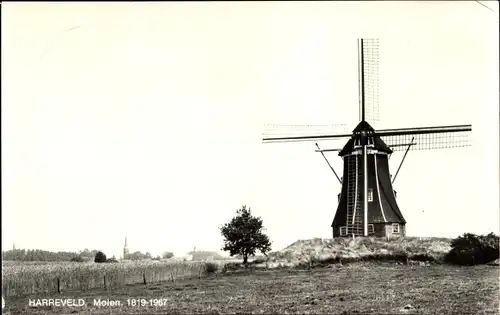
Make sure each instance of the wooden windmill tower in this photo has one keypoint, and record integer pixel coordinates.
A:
(367, 202)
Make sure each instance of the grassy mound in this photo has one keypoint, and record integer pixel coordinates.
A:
(340, 250)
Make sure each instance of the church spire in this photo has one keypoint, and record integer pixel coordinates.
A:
(125, 249)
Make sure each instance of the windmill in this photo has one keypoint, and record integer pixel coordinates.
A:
(367, 202)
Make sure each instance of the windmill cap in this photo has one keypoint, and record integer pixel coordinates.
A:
(363, 129)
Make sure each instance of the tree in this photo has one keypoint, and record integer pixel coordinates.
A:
(167, 255)
(243, 235)
(100, 257)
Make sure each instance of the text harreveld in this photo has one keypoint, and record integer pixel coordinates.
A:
(56, 302)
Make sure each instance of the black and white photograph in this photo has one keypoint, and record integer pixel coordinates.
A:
(250, 157)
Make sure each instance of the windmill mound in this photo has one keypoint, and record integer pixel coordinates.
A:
(343, 250)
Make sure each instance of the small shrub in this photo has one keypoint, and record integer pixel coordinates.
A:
(167, 255)
(111, 260)
(470, 249)
(422, 258)
(100, 257)
(211, 268)
(231, 267)
(77, 259)
(257, 261)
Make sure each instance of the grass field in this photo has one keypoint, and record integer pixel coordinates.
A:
(35, 277)
(369, 287)
(19, 279)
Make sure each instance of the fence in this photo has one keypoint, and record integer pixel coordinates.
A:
(53, 278)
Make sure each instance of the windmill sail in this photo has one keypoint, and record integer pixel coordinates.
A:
(426, 138)
(278, 131)
(368, 50)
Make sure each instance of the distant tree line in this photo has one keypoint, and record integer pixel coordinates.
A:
(84, 255)
(138, 256)
(44, 255)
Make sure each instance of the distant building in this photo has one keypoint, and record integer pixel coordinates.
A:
(125, 249)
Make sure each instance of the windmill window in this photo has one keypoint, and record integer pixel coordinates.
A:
(370, 194)
(371, 229)
(343, 231)
(395, 228)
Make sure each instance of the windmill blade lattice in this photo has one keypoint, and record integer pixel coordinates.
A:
(427, 138)
(284, 133)
(369, 75)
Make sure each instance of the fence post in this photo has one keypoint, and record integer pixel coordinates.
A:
(58, 285)
(105, 285)
(144, 278)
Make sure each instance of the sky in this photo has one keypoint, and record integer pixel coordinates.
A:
(145, 120)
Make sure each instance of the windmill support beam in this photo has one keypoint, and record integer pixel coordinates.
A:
(328, 163)
(328, 150)
(401, 145)
(404, 156)
(365, 191)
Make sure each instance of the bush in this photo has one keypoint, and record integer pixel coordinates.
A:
(111, 260)
(77, 259)
(232, 266)
(167, 255)
(100, 257)
(211, 268)
(470, 249)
